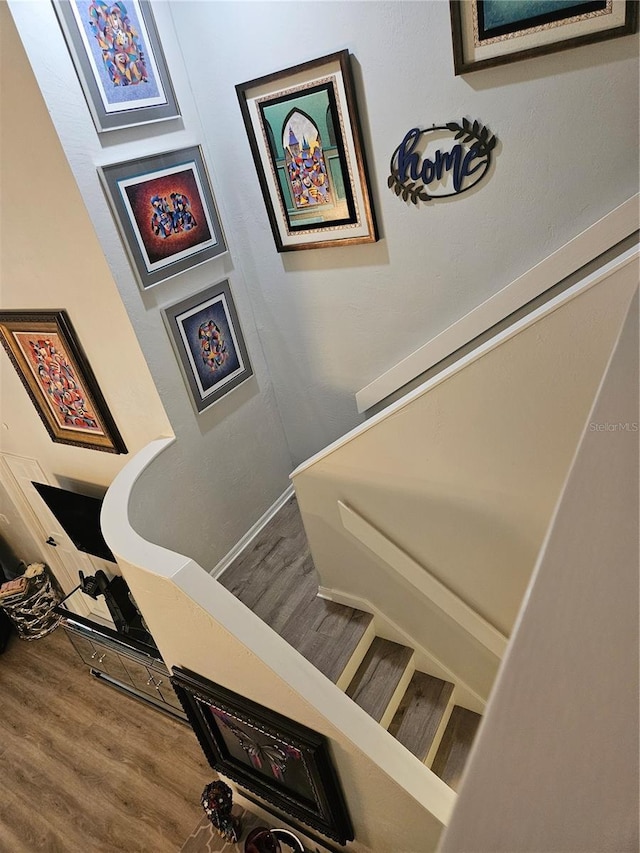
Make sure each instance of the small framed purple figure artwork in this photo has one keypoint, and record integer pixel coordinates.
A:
(206, 335)
(164, 207)
(119, 61)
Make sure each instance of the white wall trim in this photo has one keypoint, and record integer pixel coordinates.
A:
(591, 280)
(251, 534)
(426, 661)
(611, 229)
(423, 581)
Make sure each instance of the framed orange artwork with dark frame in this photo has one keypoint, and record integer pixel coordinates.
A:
(55, 372)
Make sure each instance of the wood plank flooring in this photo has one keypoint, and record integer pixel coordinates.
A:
(275, 577)
(84, 768)
(378, 676)
(455, 747)
(421, 710)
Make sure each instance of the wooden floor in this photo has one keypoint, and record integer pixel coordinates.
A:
(275, 577)
(85, 769)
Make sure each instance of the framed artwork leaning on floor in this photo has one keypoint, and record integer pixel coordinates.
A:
(283, 762)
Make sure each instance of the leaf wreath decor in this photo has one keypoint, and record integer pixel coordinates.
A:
(454, 170)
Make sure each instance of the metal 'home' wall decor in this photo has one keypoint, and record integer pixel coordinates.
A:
(442, 161)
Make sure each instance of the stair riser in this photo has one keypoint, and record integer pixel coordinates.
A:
(424, 660)
(435, 744)
(356, 658)
(399, 692)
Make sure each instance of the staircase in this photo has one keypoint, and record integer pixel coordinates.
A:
(276, 579)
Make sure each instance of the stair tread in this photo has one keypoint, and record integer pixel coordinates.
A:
(420, 712)
(456, 744)
(378, 676)
(326, 634)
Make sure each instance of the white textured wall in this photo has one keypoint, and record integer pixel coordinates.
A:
(231, 462)
(556, 762)
(51, 258)
(321, 324)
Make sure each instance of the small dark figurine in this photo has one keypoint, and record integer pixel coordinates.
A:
(217, 801)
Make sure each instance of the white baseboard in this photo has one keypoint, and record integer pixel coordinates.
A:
(424, 660)
(251, 534)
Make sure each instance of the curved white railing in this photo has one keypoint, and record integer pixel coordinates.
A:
(200, 625)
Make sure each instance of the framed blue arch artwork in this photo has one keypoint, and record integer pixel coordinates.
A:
(206, 335)
(304, 133)
(119, 61)
(493, 32)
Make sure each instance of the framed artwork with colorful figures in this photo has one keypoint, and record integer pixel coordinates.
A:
(166, 213)
(283, 762)
(55, 372)
(304, 133)
(119, 61)
(493, 32)
(206, 335)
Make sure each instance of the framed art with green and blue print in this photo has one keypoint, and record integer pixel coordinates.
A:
(493, 32)
(304, 134)
(206, 335)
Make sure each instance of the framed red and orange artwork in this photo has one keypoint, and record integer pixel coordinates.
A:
(55, 372)
(166, 213)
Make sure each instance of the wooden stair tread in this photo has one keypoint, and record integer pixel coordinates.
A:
(378, 676)
(456, 744)
(326, 634)
(421, 710)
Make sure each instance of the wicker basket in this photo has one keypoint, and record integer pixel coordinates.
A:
(32, 611)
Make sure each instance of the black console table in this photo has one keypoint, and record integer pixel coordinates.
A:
(125, 663)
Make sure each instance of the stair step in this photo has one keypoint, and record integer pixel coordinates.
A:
(331, 636)
(380, 677)
(420, 713)
(455, 746)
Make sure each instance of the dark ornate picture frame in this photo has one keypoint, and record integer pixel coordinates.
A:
(207, 338)
(480, 42)
(304, 133)
(47, 355)
(283, 762)
(119, 93)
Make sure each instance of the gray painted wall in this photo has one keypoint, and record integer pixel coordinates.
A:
(331, 320)
(321, 324)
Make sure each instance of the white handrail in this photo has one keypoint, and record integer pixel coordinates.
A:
(261, 642)
(629, 256)
(602, 235)
(424, 582)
